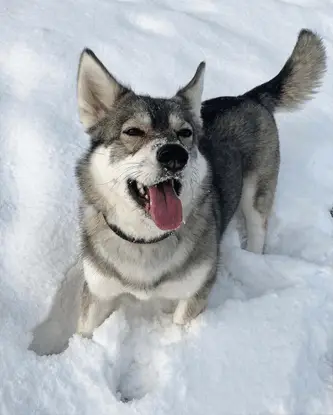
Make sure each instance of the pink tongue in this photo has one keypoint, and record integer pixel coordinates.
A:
(165, 206)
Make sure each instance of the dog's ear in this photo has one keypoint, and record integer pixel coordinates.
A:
(97, 89)
(192, 92)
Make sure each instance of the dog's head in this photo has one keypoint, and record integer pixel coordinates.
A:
(143, 168)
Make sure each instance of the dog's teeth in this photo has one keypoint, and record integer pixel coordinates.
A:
(141, 189)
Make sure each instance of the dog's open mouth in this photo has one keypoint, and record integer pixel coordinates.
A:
(161, 201)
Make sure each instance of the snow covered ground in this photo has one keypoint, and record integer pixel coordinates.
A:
(265, 345)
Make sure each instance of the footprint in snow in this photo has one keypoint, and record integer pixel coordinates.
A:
(131, 338)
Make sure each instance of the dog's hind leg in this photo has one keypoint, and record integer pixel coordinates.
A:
(93, 312)
(256, 203)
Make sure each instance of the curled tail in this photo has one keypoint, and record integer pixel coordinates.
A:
(300, 77)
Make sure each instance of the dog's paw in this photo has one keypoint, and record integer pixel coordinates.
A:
(181, 315)
(188, 310)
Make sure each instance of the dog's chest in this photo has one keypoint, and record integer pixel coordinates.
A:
(109, 286)
(180, 284)
(144, 271)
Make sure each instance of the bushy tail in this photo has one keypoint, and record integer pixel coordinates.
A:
(300, 77)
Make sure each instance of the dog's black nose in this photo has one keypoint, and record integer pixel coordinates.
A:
(172, 157)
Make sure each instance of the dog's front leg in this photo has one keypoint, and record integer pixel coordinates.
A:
(94, 311)
(190, 308)
(187, 310)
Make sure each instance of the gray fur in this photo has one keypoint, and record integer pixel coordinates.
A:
(233, 161)
(300, 77)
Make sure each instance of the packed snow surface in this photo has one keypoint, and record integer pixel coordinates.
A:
(265, 344)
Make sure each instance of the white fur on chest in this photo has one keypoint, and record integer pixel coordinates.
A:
(107, 287)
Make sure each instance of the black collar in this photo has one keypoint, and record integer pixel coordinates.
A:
(128, 238)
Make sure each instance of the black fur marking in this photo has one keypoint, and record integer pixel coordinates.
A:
(94, 144)
(213, 108)
(158, 113)
(270, 93)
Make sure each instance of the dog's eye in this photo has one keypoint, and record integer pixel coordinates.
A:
(134, 132)
(184, 133)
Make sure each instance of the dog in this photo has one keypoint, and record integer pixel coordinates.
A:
(163, 178)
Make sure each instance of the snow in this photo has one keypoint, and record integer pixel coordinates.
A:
(265, 344)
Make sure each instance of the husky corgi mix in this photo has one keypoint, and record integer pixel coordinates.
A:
(163, 177)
